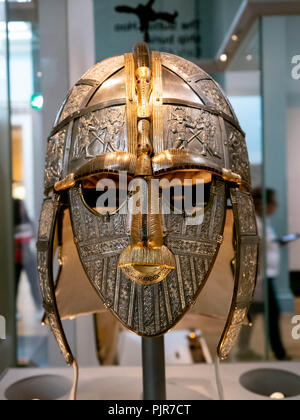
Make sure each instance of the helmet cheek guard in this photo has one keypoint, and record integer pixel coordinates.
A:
(146, 119)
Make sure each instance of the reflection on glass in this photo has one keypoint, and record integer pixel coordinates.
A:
(275, 175)
(242, 84)
(242, 81)
(24, 85)
(272, 245)
(281, 40)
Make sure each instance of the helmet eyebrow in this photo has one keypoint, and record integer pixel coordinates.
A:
(182, 159)
(103, 164)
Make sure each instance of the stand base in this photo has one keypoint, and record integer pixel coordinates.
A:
(154, 372)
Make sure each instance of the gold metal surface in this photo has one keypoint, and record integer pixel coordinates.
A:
(144, 88)
(66, 183)
(100, 166)
(131, 103)
(108, 162)
(157, 103)
(173, 159)
(143, 165)
(231, 177)
(146, 260)
(147, 265)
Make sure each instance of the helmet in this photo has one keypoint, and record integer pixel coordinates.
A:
(139, 123)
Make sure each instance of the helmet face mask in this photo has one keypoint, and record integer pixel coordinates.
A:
(141, 124)
(101, 240)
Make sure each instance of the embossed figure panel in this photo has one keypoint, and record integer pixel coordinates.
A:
(99, 132)
(247, 214)
(101, 71)
(46, 221)
(213, 96)
(75, 101)
(193, 129)
(248, 260)
(55, 157)
(237, 152)
(183, 67)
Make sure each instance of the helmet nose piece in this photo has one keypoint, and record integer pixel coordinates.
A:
(147, 260)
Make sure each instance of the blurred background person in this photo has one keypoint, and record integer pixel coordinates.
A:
(25, 260)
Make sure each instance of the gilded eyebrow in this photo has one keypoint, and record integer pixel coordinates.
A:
(182, 159)
(114, 163)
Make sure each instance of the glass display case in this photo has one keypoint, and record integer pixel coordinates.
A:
(7, 308)
(258, 67)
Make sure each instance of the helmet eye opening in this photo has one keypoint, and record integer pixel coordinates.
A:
(104, 199)
(187, 200)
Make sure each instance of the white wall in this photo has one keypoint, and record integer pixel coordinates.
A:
(81, 38)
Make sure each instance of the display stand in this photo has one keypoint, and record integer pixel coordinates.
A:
(154, 371)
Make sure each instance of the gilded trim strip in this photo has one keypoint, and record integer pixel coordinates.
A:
(166, 101)
(131, 103)
(157, 103)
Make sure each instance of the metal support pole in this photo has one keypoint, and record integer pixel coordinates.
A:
(154, 372)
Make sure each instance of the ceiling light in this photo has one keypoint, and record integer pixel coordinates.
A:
(223, 58)
(249, 57)
(235, 38)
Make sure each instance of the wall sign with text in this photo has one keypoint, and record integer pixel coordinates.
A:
(172, 26)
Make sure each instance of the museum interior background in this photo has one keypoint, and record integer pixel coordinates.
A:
(45, 46)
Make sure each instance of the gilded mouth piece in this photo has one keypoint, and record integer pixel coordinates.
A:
(147, 265)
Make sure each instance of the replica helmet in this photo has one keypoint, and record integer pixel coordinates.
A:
(133, 126)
